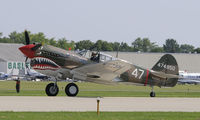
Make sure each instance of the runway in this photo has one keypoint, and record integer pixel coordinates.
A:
(36, 103)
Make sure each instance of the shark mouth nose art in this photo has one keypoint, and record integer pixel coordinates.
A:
(42, 63)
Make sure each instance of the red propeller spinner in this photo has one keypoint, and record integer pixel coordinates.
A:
(27, 50)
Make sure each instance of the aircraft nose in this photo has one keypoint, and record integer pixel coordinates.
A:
(27, 51)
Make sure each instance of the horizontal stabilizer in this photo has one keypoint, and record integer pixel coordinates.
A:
(163, 75)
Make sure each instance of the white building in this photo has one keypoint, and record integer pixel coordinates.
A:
(11, 59)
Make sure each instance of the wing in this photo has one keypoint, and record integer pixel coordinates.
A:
(101, 72)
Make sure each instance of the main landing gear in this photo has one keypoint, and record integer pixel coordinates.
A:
(52, 89)
(71, 89)
(152, 93)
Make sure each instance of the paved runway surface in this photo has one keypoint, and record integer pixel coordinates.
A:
(32, 103)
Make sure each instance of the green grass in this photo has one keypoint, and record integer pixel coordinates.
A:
(7, 88)
(102, 116)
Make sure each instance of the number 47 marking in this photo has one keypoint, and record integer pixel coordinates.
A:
(136, 73)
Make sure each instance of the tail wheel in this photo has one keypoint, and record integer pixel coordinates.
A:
(71, 89)
(52, 89)
(152, 94)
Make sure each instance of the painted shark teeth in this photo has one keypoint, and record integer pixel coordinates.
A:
(43, 64)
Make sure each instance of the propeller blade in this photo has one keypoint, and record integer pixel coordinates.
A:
(27, 38)
(26, 62)
(26, 66)
(36, 47)
(26, 59)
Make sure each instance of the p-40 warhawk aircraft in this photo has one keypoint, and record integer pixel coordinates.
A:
(98, 68)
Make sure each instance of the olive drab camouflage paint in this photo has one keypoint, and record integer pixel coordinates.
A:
(98, 68)
(166, 65)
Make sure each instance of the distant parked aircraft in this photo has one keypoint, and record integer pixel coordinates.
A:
(189, 78)
(4, 76)
(33, 75)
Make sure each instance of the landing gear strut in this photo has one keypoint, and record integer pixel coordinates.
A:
(52, 89)
(71, 89)
(152, 94)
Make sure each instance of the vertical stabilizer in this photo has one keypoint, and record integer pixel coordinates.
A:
(167, 64)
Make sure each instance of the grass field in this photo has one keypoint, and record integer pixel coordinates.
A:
(7, 88)
(102, 116)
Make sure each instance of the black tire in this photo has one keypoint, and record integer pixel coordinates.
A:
(52, 89)
(152, 94)
(71, 89)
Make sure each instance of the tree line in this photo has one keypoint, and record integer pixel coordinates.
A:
(138, 45)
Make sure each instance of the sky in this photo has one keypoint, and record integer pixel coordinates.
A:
(110, 20)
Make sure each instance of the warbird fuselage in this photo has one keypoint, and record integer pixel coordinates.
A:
(98, 68)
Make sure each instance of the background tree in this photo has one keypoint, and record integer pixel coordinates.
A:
(115, 46)
(65, 44)
(16, 37)
(138, 44)
(144, 45)
(72, 45)
(98, 45)
(124, 47)
(39, 38)
(84, 44)
(197, 50)
(106, 46)
(185, 48)
(171, 46)
(52, 42)
(1, 34)
(147, 45)
(157, 49)
(5, 40)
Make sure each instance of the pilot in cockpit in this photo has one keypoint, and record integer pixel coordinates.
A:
(95, 57)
